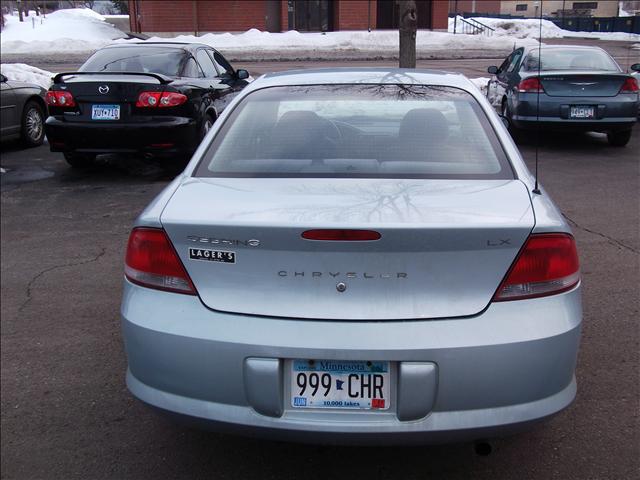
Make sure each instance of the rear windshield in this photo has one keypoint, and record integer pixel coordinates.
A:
(136, 59)
(386, 131)
(570, 59)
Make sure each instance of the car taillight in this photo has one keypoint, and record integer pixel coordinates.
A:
(630, 85)
(160, 99)
(151, 261)
(530, 85)
(547, 264)
(59, 98)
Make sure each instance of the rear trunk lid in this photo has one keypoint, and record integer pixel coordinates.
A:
(445, 245)
(109, 94)
(572, 84)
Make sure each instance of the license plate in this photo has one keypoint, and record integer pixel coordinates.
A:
(105, 112)
(582, 112)
(343, 385)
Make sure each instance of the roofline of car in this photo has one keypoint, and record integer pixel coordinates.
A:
(181, 45)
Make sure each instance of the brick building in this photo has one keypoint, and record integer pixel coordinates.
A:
(474, 6)
(168, 17)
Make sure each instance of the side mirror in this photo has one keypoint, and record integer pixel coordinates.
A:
(635, 67)
(505, 121)
(242, 74)
(493, 70)
(2, 78)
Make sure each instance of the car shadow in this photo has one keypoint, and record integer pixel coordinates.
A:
(201, 453)
(562, 141)
(113, 167)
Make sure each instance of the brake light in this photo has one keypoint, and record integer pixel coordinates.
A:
(151, 261)
(630, 85)
(546, 265)
(160, 99)
(59, 98)
(341, 235)
(530, 85)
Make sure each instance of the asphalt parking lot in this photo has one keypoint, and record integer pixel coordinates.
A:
(66, 412)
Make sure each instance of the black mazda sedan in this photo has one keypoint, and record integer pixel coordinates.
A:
(156, 99)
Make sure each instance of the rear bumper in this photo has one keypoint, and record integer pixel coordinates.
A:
(168, 135)
(496, 372)
(611, 113)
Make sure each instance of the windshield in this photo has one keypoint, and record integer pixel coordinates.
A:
(136, 59)
(570, 59)
(379, 131)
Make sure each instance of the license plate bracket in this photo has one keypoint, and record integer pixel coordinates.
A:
(343, 385)
(105, 112)
(582, 112)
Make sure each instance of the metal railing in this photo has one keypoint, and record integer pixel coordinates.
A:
(470, 26)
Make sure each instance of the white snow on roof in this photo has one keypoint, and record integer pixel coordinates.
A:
(21, 72)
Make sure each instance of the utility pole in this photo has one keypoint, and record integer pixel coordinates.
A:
(408, 26)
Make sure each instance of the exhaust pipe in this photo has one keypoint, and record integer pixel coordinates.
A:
(482, 448)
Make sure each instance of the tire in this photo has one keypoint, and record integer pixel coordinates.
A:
(504, 109)
(513, 130)
(619, 138)
(207, 123)
(32, 124)
(79, 160)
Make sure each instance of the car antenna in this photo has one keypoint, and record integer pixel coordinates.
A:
(536, 189)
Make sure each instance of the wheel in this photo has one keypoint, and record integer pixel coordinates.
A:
(513, 130)
(206, 126)
(78, 160)
(32, 124)
(619, 138)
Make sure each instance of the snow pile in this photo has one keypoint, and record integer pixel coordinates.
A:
(529, 28)
(21, 72)
(622, 12)
(333, 44)
(481, 83)
(70, 30)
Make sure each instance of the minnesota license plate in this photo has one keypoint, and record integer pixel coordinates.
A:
(105, 112)
(340, 384)
(580, 111)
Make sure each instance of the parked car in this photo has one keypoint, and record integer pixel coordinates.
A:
(580, 88)
(156, 99)
(23, 111)
(358, 255)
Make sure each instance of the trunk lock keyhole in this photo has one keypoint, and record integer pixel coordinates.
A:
(341, 287)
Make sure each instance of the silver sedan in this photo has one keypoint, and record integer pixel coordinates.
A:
(354, 256)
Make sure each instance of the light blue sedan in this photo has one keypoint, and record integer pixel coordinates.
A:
(354, 256)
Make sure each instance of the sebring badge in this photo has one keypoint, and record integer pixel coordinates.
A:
(103, 89)
(224, 241)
